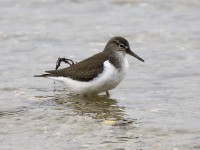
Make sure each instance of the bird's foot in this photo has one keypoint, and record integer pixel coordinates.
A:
(68, 61)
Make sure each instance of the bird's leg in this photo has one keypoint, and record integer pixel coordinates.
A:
(68, 61)
(107, 94)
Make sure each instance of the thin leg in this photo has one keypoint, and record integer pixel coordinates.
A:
(107, 94)
(68, 61)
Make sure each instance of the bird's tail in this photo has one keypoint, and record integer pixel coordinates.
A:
(43, 75)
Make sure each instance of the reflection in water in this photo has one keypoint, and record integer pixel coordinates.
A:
(98, 107)
(13, 112)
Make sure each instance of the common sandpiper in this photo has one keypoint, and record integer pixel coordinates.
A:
(98, 73)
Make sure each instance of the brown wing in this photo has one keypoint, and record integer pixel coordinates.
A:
(85, 70)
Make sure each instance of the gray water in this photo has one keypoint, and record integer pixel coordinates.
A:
(157, 106)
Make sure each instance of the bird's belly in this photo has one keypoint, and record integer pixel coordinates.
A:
(105, 81)
(111, 81)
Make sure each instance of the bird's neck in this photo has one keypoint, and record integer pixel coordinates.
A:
(118, 59)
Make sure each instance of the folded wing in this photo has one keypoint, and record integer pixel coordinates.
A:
(85, 70)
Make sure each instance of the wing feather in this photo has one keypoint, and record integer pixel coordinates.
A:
(85, 70)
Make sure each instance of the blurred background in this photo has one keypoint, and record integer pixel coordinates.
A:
(155, 107)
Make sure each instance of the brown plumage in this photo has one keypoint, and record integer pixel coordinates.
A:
(82, 71)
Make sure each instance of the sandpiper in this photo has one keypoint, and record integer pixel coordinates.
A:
(98, 73)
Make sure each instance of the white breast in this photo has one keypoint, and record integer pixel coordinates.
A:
(107, 80)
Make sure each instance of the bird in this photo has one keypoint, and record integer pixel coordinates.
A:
(99, 73)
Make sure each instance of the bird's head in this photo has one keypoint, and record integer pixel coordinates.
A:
(120, 44)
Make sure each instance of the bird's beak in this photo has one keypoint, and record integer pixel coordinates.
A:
(134, 55)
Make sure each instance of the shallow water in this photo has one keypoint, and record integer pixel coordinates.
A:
(157, 105)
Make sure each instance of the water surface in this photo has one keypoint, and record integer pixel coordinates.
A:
(155, 107)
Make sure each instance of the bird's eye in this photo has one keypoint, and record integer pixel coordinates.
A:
(121, 45)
